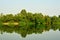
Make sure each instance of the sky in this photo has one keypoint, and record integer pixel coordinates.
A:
(47, 7)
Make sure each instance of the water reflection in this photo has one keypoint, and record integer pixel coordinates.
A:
(26, 30)
(46, 35)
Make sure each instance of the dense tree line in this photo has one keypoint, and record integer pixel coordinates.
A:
(27, 18)
(28, 22)
(30, 18)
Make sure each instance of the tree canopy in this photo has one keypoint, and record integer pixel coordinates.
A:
(27, 22)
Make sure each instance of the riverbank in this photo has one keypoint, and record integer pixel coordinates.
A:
(15, 23)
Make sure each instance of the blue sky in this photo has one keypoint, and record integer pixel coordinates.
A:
(47, 7)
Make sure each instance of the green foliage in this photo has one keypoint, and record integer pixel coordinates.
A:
(29, 22)
(1, 23)
(22, 24)
(11, 24)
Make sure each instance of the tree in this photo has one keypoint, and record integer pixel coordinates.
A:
(54, 20)
(7, 18)
(23, 12)
(59, 16)
(47, 22)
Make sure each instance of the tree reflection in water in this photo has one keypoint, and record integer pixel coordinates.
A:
(24, 30)
(27, 23)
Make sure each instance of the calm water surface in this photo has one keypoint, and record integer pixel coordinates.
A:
(48, 35)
